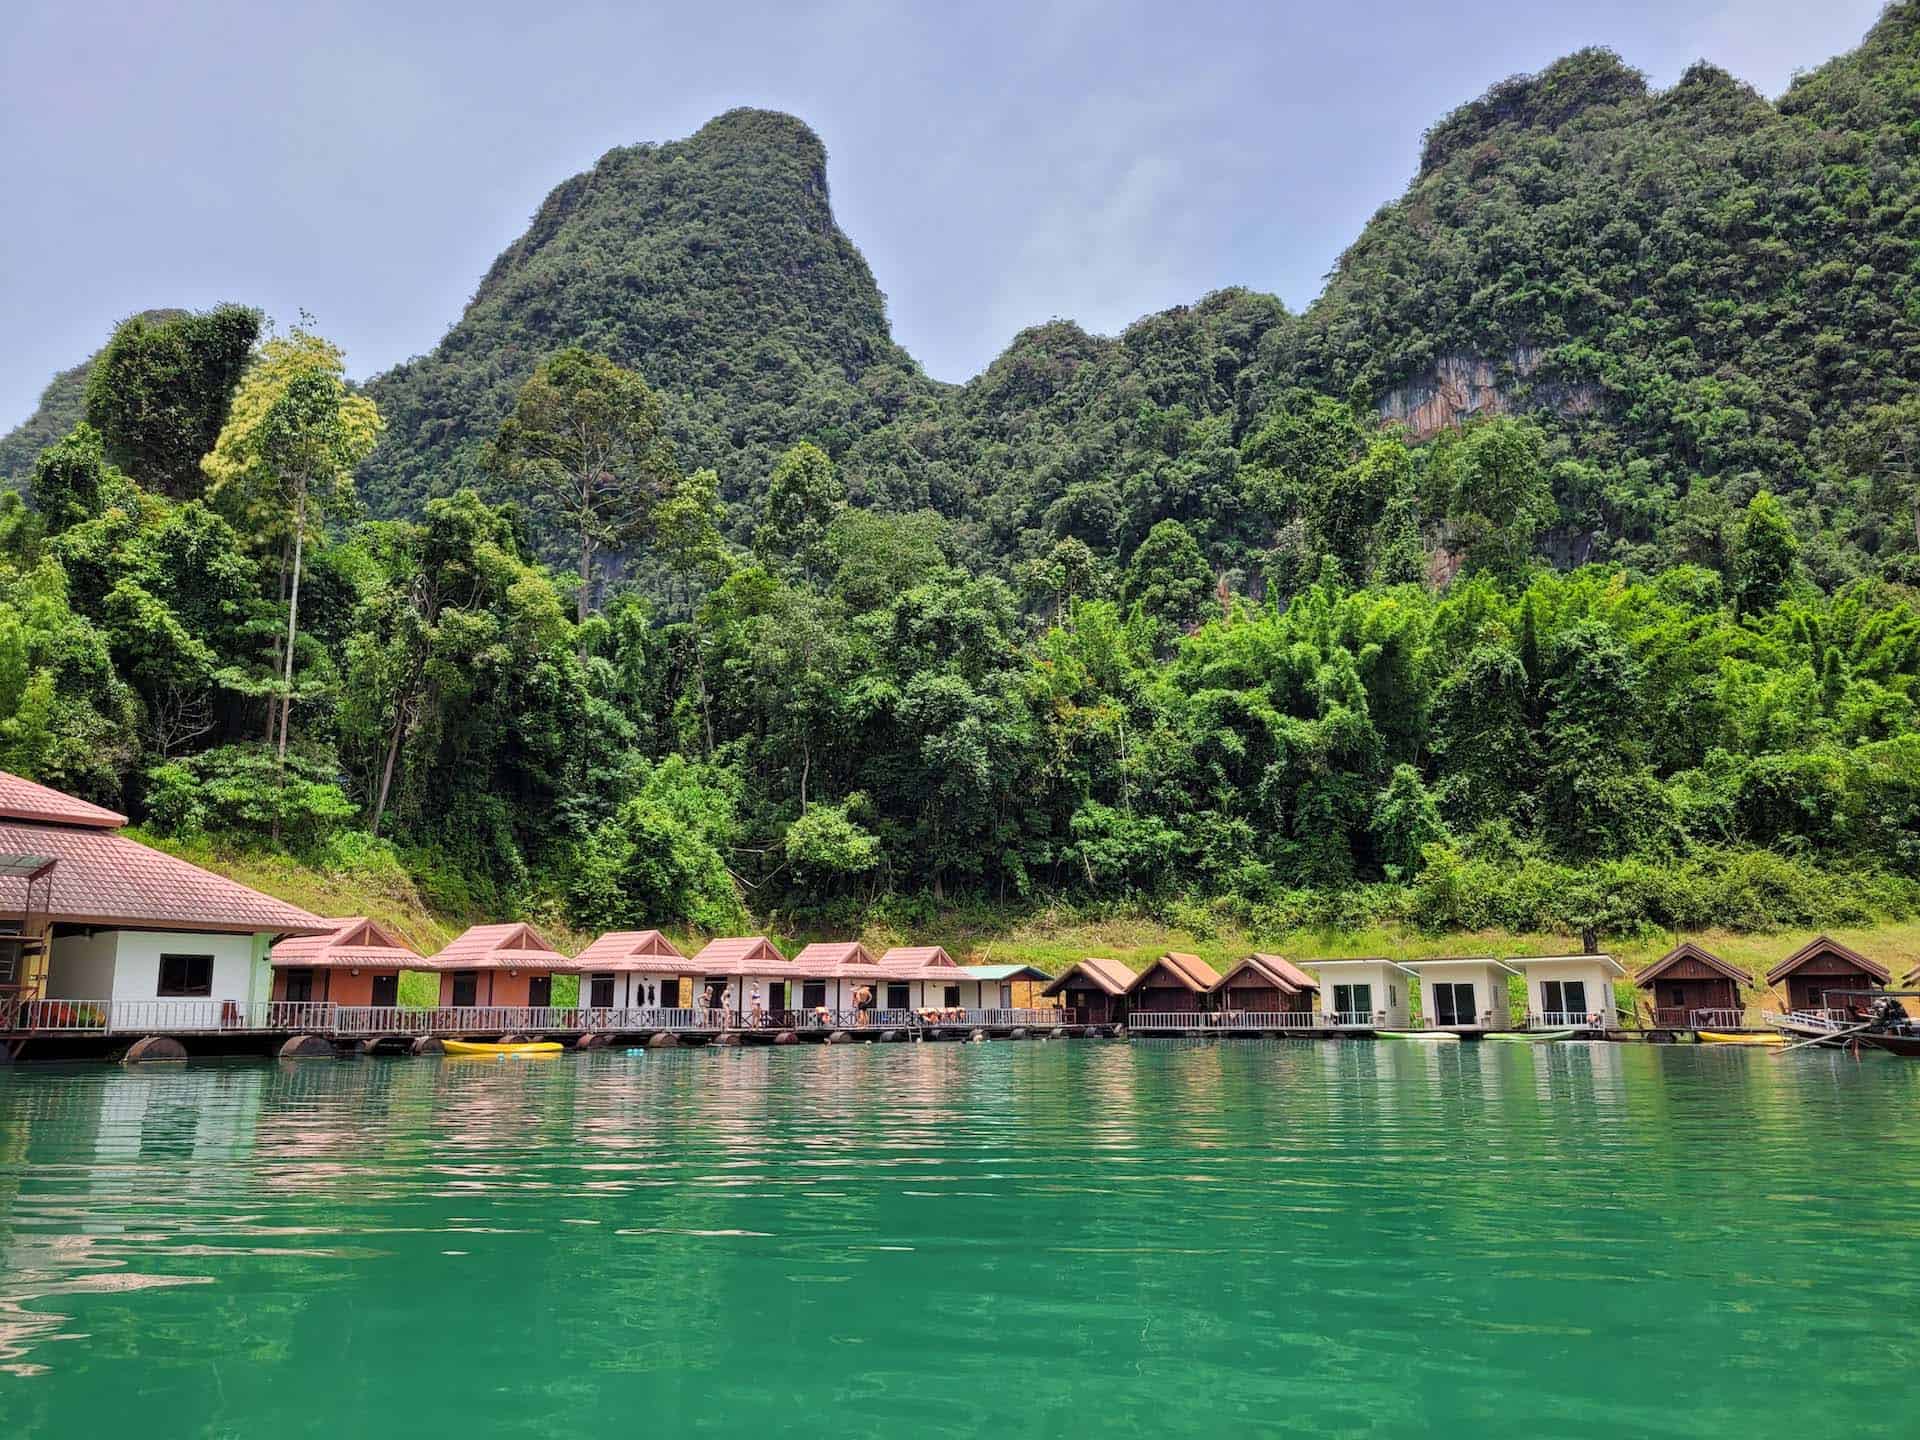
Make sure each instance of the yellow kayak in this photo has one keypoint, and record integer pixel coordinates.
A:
(528, 1047)
(1721, 1037)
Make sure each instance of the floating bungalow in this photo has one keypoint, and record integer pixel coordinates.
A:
(121, 935)
(357, 963)
(1690, 986)
(838, 972)
(1093, 989)
(631, 970)
(729, 967)
(1005, 987)
(1822, 966)
(1175, 984)
(499, 965)
(1574, 990)
(1464, 993)
(1372, 993)
(1266, 985)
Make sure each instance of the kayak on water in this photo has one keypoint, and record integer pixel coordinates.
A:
(1529, 1037)
(1721, 1037)
(525, 1047)
(1416, 1035)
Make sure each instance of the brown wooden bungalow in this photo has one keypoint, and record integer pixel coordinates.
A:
(1093, 991)
(357, 963)
(631, 970)
(492, 965)
(1824, 965)
(1175, 982)
(1265, 985)
(1689, 979)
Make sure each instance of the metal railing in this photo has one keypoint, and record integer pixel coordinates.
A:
(1717, 1020)
(1808, 1019)
(1243, 1020)
(190, 1016)
(1564, 1019)
(1168, 1020)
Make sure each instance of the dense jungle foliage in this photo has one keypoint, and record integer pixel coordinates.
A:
(667, 589)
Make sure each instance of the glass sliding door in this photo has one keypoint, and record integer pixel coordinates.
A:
(1453, 1004)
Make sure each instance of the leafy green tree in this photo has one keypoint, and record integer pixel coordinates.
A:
(827, 847)
(1764, 557)
(586, 439)
(1169, 578)
(74, 481)
(1496, 492)
(804, 494)
(159, 394)
(1405, 821)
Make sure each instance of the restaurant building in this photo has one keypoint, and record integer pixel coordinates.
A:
(358, 962)
(89, 916)
(632, 970)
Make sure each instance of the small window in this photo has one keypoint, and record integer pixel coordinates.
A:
(1393, 995)
(951, 999)
(813, 994)
(186, 975)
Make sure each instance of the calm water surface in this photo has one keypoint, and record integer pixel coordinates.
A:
(1028, 1239)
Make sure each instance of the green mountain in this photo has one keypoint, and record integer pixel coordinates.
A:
(714, 267)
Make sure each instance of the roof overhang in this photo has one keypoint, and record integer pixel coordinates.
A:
(1606, 962)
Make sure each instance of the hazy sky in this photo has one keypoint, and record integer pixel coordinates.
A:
(998, 163)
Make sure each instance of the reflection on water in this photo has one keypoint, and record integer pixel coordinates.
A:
(1044, 1238)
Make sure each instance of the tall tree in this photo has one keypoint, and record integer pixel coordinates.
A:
(159, 394)
(803, 496)
(1763, 556)
(585, 438)
(295, 435)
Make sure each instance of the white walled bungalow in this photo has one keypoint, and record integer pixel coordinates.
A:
(1005, 987)
(1574, 990)
(1373, 993)
(632, 970)
(1467, 993)
(933, 981)
(128, 935)
(726, 971)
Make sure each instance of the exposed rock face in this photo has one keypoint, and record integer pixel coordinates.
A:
(1460, 387)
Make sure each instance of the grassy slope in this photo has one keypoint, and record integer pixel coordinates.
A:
(377, 885)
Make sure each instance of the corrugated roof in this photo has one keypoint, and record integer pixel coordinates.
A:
(1108, 975)
(718, 956)
(355, 942)
(1827, 945)
(512, 946)
(22, 799)
(1687, 950)
(1003, 972)
(106, 879)
(641, 952)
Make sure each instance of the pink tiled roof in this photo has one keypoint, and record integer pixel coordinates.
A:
(23, 800)
(513, 946)
(721, 956)
(645, 952)
(106, 879)
(355, 941)
(916, 957)
(825, 958)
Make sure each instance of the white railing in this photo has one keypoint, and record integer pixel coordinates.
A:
(1242, 1020)
(1485, 1022)
(1565, 1019)
(991, 1019)
(1168, 1020)
(165, 1016)
(1808, 1020)
(1355, 1019)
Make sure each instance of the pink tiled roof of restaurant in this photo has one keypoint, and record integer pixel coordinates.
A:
(719, 955)
(355, 941)
(512, 946)
(641, 952)
(24, 800)
(917, 957)
(1108, 975)
(106, 879)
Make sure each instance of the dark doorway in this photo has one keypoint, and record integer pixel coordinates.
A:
(299, 985)
(466, 988)
(899, 997)
(385, 990)
(670, 993)
(813, 994)
(777, 995)
(540, 991)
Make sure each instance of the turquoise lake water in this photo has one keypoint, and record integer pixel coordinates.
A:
(1060, 1238)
